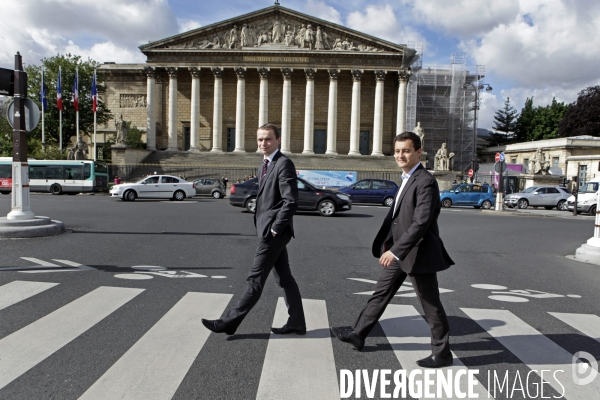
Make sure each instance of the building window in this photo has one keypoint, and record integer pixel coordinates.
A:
(526, 165)
(513, 160)
(582, 175)
(555, 162)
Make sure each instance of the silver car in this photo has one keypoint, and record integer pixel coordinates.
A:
(539, 196)
(210, 187)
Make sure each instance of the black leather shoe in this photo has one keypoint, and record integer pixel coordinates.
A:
(286, 329)
(348, 337)
(217, 326)
(435, 362)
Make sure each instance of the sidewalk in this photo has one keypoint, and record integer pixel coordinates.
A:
(540, 212)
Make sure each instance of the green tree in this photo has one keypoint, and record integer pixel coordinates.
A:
(583, 116)
(68, 63)
(505, 122)
(538, 123)
(524, 123)
(134, 137)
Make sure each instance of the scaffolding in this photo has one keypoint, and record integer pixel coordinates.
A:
(445, 100)
(411, 90)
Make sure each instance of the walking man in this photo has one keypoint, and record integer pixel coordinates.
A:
(276, 203)
(408, 244)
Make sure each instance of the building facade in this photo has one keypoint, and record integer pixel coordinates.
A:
(332, 90)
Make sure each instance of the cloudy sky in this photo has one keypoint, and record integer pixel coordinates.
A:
(539, 48)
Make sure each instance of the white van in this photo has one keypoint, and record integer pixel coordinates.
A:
(587, 198)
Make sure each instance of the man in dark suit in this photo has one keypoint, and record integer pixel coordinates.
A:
(408, 244)
(276, 203)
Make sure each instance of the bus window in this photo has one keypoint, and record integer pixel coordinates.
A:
(54, 172)
(100, 167)
(5, 171)
(87, 171)
(37, 171)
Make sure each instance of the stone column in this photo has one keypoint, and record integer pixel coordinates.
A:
(218, 111)
(332, 112)
(286, 111)
(150, 108)
(355, 113)
(172, 109)
(195, 112)
(240, 112)
(378, 118)
(309, 111)
(263, 98)
(403, 77)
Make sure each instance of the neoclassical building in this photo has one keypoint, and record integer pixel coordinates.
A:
(331, 89)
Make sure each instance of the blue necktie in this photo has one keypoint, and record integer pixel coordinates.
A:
(264, 169)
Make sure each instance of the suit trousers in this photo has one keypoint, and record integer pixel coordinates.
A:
(271, 254)
(426, 287)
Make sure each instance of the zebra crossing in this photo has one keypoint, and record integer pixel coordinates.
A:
(156, 364)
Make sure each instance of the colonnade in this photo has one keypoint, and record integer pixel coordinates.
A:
(240, 129)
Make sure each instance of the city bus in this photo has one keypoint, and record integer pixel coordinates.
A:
(58, 176)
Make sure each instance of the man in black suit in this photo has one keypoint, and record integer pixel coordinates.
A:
(276, 204)
(408, 244)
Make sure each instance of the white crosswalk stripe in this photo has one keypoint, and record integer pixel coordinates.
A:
(17, 291)
(588, 324)
(29, 346)
(410, 338)
(535, 350)
(155, 366)
(312, 374)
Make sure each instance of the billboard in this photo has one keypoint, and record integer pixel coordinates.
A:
(328, 179)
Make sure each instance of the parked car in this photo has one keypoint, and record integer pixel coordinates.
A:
(372, 191)
(210, 187)
(310, 198)
(539, 196)
(155, 187)
(586, 198)
(467, 194)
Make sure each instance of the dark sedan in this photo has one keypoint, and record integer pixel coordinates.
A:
(310, 198)
(372, 191)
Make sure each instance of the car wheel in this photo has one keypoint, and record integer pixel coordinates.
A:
(447, 203)
(216, 194)
(179, 195)
(56, 189)
(388, 201)
(486, 205)
(522, 204)
(326, 208)
(562, 205)
(592, 210)
(129, 195)
(251, 204)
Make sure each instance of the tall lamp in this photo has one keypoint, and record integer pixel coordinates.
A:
(476, 88)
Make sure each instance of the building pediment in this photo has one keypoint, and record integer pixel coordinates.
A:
(277, 29)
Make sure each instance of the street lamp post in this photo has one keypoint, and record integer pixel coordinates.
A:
(476, 89)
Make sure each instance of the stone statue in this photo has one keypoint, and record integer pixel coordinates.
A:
(82, 150)
(538, 163)
(289, 36)
(309, 37)
(319, 39)
(300, 36)
(442, 161)
(121, 130)
(263, 38)
(421, 133)
(277, 31)
(244, 36)
(71, 155)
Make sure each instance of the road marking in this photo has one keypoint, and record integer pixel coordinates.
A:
(588, 324)
(48, 266)
(41, 263)
(29, 346)
(535, 350)
(17, 291)
(155, 365)
(363, 280)
(410, 338)
(312, 374)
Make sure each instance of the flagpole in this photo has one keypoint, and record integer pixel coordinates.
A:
(77, 112)
(60, 112)
(43, 98)
(95, 150)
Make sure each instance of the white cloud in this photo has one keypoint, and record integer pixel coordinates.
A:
(463, 17)
(379, 21)
(321, 10)
(187, 25)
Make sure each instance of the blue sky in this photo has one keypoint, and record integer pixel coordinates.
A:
(530, 48)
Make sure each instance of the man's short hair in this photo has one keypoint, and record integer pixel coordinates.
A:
(416, 140)
(271, 127)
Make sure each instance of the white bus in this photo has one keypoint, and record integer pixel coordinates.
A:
(58, 176)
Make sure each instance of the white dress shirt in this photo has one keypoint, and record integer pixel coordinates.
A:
(405, 177)
(270, 158)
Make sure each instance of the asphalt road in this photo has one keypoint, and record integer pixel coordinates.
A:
(101, 333)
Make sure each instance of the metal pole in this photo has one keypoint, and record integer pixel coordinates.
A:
(43, 98)
(95, 148)
(474, 154)
(576, 191)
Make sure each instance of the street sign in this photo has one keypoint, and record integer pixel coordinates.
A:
(502, 157)
(470, 173)
(7, 82)
(500, 167)
(498, 157)
(32, 115)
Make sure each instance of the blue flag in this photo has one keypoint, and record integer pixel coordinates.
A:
(43, 92)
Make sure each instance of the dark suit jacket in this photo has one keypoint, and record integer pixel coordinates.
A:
(412, 234)
(277, 198)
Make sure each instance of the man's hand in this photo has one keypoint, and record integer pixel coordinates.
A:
(387, 259)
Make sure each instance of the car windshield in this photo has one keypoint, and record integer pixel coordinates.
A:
(530, 189)
(590, 187)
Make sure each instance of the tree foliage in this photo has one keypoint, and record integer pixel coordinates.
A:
(68, 63)
(583, 116)
(538, 123)
(505, 122)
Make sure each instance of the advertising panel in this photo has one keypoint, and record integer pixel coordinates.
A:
(328, 179)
